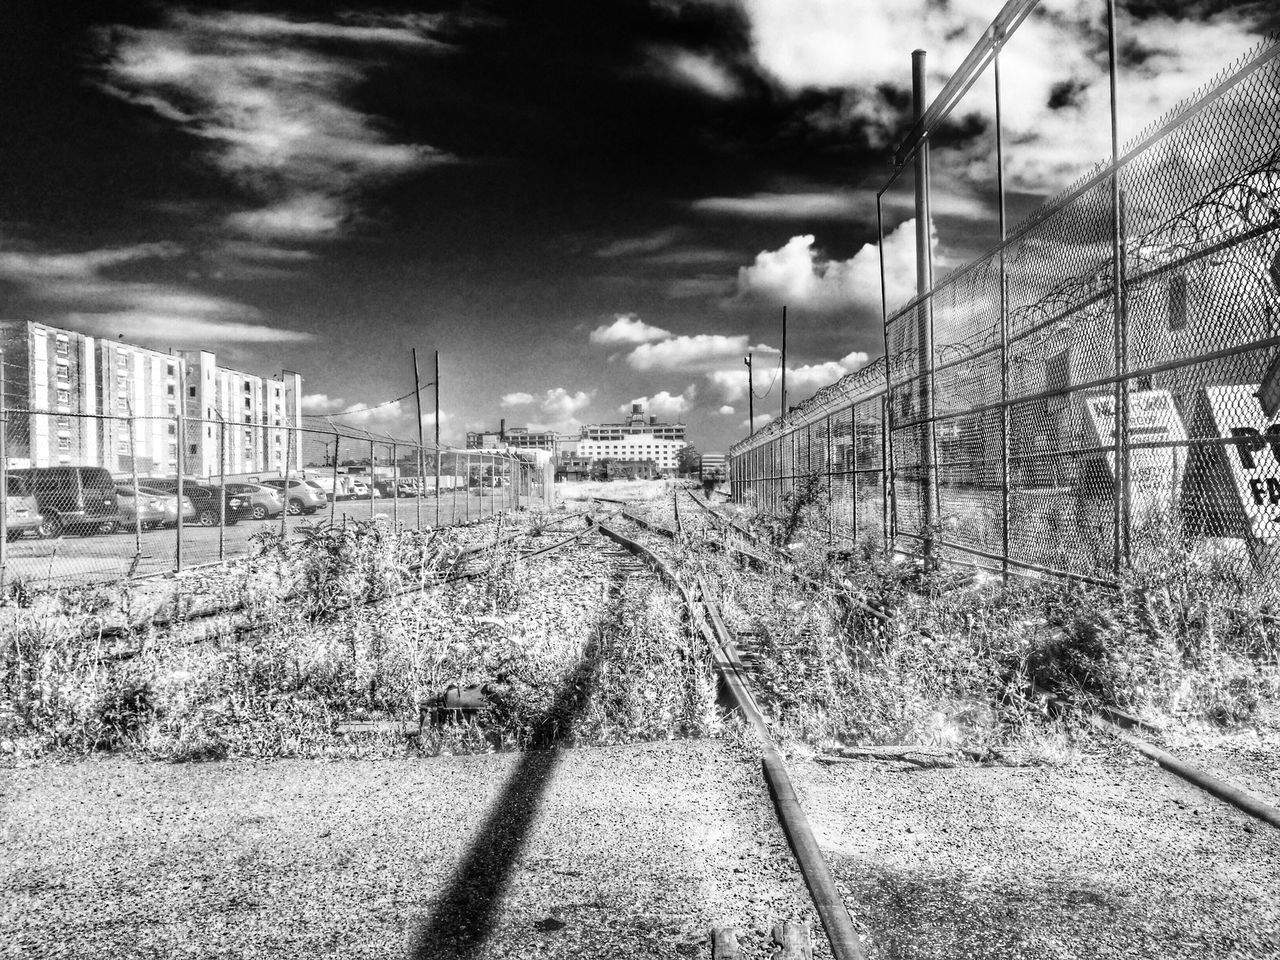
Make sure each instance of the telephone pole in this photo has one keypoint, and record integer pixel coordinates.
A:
(437, 425)
(784, 361)
(751, 395)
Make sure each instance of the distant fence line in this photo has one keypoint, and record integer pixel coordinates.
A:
(1105, 379)
(94, 497)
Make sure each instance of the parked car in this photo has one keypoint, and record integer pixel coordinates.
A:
(148, 508)
(79, 499)
(263, 500)
(407, 488)
(359, 488)
(304, 496)
(169, 500)
(204, 497)
(21, 514)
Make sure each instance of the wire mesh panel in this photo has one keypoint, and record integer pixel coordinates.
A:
(105, 497)
(1105, 381)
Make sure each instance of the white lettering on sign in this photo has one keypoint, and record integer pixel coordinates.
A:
(1156, 463)
(1254, 459)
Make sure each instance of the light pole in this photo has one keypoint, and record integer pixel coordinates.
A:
(751, 396)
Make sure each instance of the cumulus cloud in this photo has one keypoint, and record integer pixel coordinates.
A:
(396, 416)
(798, 275)
(516, 399)
(188, 331)
(627, 328)
(726, 410)
(700, 353)
(271, 97)
(665, 405)
(1059, 49)
(560, 404)
(790, 206)
(761, 420)
(802, 381)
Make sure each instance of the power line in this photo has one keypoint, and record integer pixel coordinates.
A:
(377, 406)
(765, 395)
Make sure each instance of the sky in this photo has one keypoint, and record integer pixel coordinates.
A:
(580, 204)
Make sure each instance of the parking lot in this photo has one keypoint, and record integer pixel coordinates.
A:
(107, 557)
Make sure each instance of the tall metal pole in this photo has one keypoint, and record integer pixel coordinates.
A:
(888, 478)
(784, 361)
(288, 458)
(1120, 537)
(4, 481)
(751, 397)
(180, 430)
(924, 315)
(417, 399)
(222, 487)
(333, 487)
(437, 426)
(1004, 326)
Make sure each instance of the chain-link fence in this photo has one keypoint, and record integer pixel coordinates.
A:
(1104, 382)
(97, 498)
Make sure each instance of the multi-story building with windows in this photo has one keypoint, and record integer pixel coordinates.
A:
(635, 425)
(97, 402)
(239, 415)
(53, 372)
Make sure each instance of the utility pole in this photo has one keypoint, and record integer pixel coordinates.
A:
(417, 399)
(751, 396)
(784, 361)
(437, 426)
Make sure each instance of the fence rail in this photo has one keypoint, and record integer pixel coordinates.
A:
(1097, 384)
(91, 497)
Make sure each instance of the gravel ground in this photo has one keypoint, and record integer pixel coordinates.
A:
(1248, 757)
(625, 851)
(1108, 858)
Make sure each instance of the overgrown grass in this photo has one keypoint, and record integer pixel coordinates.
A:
(338, 639)
(1191, 636)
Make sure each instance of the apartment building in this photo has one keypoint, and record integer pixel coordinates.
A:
(142, 384)
(239, 415)
(53, 371)
(104, 402)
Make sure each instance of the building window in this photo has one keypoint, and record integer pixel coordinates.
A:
(248, 402)
(122, 446)
(247, 388)
(64, 396)
(191, 392)
(190, 449)
(171, 369)
(173, 429)
(64, 443)
(170, 389)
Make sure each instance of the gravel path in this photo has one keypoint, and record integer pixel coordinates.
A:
(1109, 858)
(626, 852)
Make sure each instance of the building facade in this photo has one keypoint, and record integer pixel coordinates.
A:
(239, 416)
(79, 400)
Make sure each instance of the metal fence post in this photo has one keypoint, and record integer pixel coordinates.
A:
(924, 315)
(333, 496)
(373, 463)
(289, 441)
(1004, 325)
(395, 470)
(180, 430)
(4, 481)
(1120, 518)
(222, 488)
(137, 500)
(467, 487)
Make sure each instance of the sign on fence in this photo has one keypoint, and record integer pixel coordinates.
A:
(1254, 459)
(1155, 465)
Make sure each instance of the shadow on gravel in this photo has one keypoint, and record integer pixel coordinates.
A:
(467, 910)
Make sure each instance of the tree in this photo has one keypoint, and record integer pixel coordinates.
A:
(688, 460)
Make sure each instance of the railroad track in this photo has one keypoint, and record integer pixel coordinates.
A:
(1105, 718)
(704, 617)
